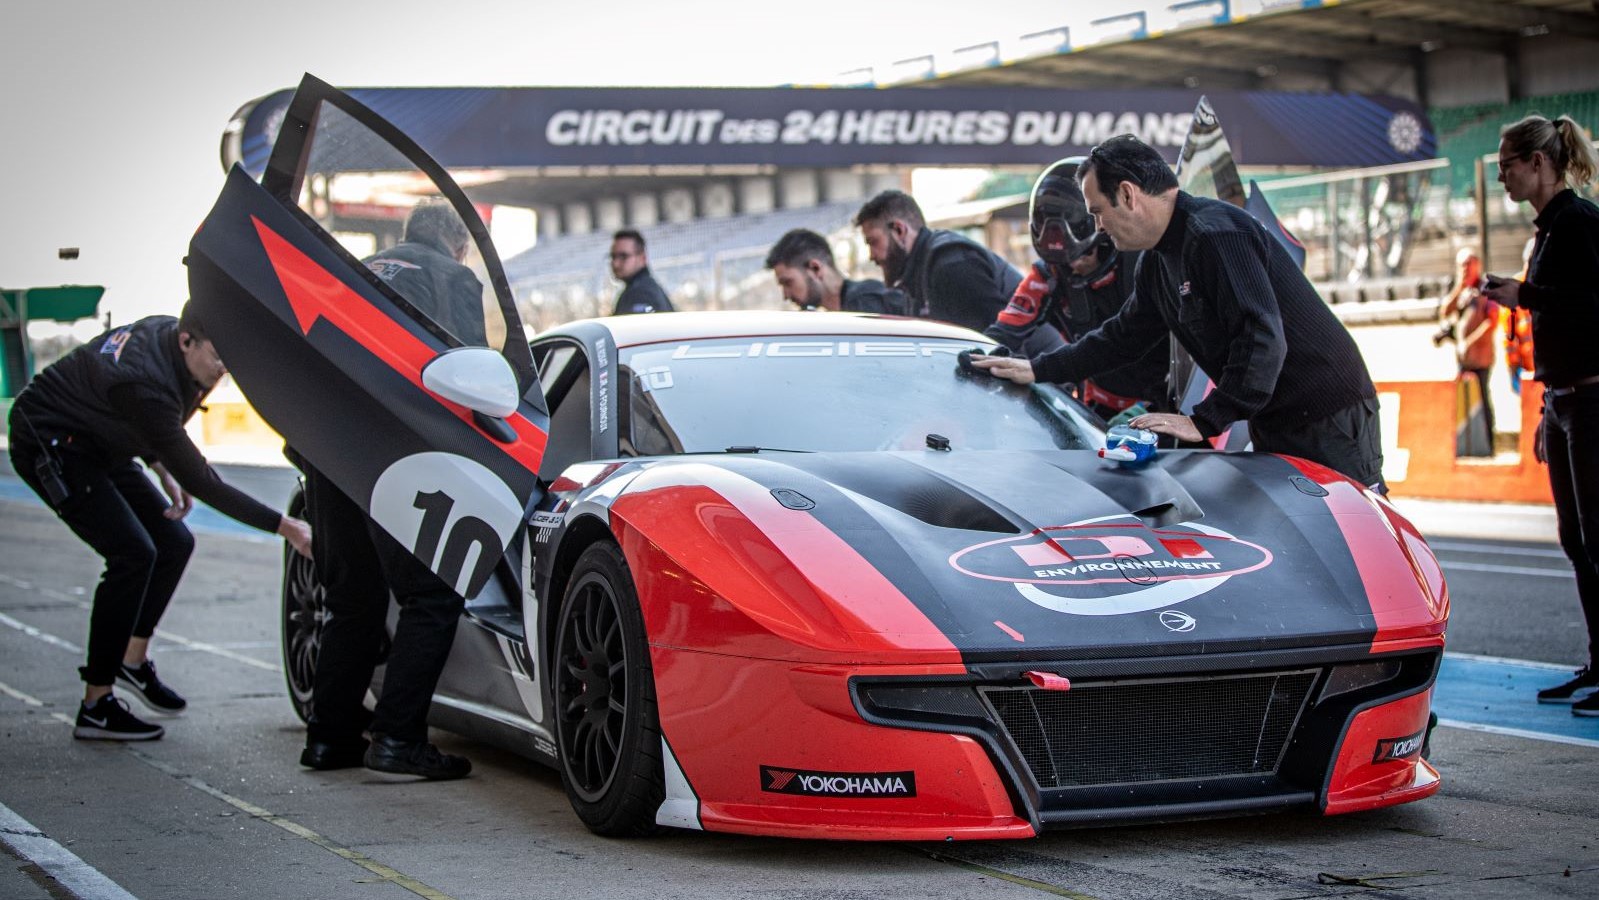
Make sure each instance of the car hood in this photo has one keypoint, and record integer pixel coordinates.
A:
(1053, 554)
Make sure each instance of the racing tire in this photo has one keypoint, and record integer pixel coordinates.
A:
(304, 611)
(605, 716)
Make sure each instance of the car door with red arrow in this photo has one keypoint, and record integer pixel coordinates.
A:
(405, 379)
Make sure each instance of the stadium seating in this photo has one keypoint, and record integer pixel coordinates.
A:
(703, 264)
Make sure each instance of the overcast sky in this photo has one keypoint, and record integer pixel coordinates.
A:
(112, 112)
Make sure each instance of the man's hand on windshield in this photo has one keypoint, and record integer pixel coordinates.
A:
(1178, 426)
(1010, 368)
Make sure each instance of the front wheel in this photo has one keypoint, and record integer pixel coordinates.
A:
(605, 722)
(304, 611)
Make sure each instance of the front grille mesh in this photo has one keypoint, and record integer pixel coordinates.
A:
(1143, 731)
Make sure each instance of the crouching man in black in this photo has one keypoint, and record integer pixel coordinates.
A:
(75, 432)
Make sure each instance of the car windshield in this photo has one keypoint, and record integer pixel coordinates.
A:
(833, 393)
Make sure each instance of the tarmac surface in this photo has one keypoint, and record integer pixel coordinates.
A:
(219, 807)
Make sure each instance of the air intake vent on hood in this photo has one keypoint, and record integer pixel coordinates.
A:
(912, 490)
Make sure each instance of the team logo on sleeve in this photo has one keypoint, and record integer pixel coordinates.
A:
(117, 341)
(386, 269)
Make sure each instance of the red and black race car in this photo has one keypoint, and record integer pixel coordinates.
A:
(794, 574)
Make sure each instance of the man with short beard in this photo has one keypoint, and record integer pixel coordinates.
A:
(945, 275)
(805, 271)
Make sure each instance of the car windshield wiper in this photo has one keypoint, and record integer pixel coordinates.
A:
(751, 448)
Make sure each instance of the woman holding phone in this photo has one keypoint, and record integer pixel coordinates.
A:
(1540, 161)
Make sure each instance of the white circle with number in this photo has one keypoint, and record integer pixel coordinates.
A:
(453, 513)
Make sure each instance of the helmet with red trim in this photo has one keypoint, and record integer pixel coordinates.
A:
(1061, 227)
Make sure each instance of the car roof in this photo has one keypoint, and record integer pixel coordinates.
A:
(635, 330)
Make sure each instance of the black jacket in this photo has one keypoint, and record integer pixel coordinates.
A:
(643, 294)
(438, 286)
(1562, 291)
(1236, 301)
(871, 296)
(952, 278)
(126, 394)
(1050, 298)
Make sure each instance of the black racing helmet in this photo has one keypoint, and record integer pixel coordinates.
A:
(1058, 216)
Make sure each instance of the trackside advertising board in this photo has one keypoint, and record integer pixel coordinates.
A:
(834, 127)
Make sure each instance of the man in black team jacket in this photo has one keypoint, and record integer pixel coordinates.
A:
(426, 269)
(805, 271)
(947, 276)
(630, 264)
(75, 431)
(359, 564)
(1212, 276)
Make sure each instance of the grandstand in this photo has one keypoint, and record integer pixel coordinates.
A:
(709, 215)
(713, 263)
(1474, 64)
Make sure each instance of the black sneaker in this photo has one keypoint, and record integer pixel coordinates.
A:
(109, 720)
(1587, 706)
(1566, 693)
(144, 684)
(388, 754)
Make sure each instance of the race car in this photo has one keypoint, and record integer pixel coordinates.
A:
(805, 574)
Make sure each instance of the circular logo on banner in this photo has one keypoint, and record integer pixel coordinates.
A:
(1113, 566)
(452, 512)
(1404, 132)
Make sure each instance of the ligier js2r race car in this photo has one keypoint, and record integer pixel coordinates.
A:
(791, 573)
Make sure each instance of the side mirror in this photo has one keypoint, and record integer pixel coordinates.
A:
(475, 377)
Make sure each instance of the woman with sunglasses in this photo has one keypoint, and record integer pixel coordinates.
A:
(1540, 162)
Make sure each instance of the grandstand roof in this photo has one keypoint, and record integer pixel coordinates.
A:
(1221, 48)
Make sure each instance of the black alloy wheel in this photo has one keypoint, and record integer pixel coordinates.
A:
(605, 723)
(304, 612)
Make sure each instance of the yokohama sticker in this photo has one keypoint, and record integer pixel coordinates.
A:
(1113, 566)
(778, 780)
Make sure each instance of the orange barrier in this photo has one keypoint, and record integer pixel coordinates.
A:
(1426, 414)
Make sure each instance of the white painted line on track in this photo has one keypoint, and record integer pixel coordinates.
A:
(81, 880)
(189, 643)
(1507, 570)
(1499, 549)
(296, 829)
(1520, 733)
(206, 647)
(45, 636)
(392, 876)
(48, 592)
(1477, 657)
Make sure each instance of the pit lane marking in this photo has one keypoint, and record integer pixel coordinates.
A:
(1497, 549)
(80, 879)
(35, 633)
(1002, 875)
(384, 872)
(162, 634)
(1507, 570)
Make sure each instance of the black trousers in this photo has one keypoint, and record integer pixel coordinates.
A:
(1349, 442)
(1571, 445)
(359, 564)
(115, 509)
